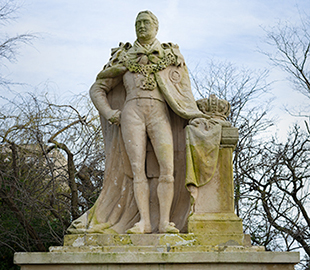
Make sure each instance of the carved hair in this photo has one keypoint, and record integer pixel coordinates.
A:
(153, 17)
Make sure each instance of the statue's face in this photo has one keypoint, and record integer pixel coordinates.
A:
(145, 28)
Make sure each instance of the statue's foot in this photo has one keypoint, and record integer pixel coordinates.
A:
(168, 228)
(140, 228)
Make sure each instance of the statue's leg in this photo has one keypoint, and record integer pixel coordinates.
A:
(160, 133)
(135, 138)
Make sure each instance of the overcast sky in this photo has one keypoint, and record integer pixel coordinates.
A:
(75, 37)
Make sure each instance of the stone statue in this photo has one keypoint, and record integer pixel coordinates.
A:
(144, 98)
(168, 169)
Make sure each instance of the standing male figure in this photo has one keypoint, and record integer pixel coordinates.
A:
(151, 75)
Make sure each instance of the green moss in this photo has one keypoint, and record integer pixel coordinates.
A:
(177, 239)
(164, 256)
(122, 239)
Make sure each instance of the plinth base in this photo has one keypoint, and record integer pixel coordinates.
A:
(153, 251)
(157, 260)
(217, 228)
(153, 243)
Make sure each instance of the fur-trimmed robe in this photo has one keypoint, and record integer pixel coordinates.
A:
(115, 209)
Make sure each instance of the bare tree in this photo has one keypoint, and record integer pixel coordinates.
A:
(277, 202)
(9, 45)
(52, 164)
(281, 186)
(291, 52)
(271, 178)
(292, 44)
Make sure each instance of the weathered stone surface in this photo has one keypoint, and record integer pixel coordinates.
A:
(216, 224)
(214, 215)
(210, 242)
(168, 266)
(157, 242)
(77, 240)
(230, 136)
(217, 196)
(159, 248)
(158, 260)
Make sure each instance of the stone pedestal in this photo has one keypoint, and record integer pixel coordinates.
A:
(215, 239)
(180, 251)
(213, 212)
(153, 260)
(218, 228)
(149, 243)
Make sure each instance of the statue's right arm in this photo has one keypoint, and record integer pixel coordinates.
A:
(98, 94)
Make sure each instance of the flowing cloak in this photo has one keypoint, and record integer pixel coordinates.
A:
(195, 153)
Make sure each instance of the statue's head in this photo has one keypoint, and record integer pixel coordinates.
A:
(146, 26)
